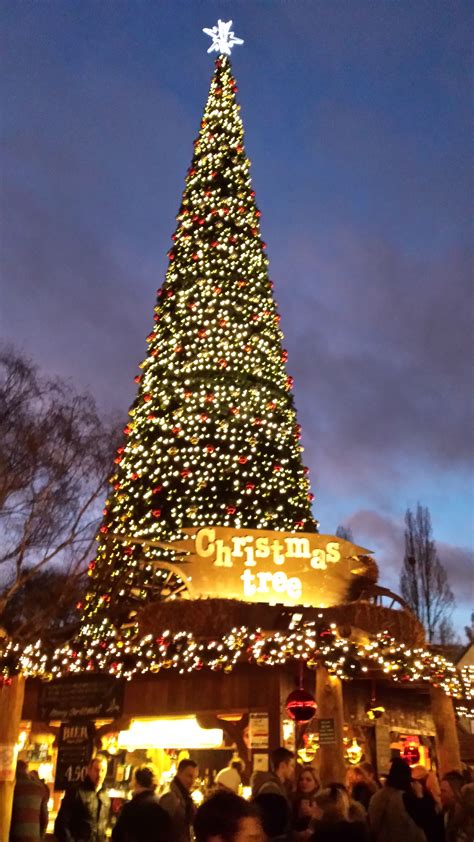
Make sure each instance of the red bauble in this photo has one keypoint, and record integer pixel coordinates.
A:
(411, 753)
(301, 706)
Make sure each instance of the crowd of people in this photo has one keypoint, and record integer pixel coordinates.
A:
(287, 804)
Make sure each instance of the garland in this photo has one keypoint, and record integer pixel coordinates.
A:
(309, 643)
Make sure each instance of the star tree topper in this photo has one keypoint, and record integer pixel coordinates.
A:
(223, 39)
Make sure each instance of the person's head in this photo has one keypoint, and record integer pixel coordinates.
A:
(274, 813)
(187, 773)
(21, 767)
(284, 764)
(332, 803)
(419, 773)
(226, 817)
(308, 783)
(368, 769)
(355, 775)
(451, 789)
(97, 770)
(145, 778)
(229, 778)
(399, 776)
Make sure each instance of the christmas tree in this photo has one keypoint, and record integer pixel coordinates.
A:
(212, 437)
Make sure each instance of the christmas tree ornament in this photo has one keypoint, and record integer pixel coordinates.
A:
(301, 706)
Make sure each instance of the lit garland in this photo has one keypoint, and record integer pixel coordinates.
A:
(310, 643)
(465, 705)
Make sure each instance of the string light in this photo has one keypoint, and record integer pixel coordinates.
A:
(311, 643)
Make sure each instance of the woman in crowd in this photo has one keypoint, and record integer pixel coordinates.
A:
(332, 823)
(431, 803)
(307, 786)
(466, 815)
(394, 811)
(359, 786)
(451, 786)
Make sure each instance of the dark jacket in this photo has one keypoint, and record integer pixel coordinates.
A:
(30, 809)
(390, 819)
(266, 783)
(83, 815)
(179, 806)
(143, 820)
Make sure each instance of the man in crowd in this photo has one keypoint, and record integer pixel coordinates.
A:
(142, 819)
(280, 781)
(85, 808)
(178, 802)
(226, 817)
(30, 807)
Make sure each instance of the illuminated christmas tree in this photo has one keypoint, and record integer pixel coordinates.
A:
(212, 437)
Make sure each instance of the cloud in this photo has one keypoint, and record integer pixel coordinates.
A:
(385, 536)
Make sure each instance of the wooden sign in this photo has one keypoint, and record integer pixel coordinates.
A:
(258, 730)
(257, 565)
(75, 748)
(81, 697)
(327, 732)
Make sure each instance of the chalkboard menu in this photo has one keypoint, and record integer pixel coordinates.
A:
(81, 697)
(75, 748)
(327, 732)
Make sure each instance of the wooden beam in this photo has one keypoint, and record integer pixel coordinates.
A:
(11, 703)
(447, 742)
(332, 768)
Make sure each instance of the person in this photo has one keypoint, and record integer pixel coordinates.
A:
(226, 817)
(142, 819)
(230, 777)
(307, 785)
(466, 816)
(178, 802)
(451, 785)
(359, 786)
(280, 780)
(392, 810)
(30, 807)
(84, 812)
(371, 774)
(332, 823)
(275, 816)
(432, 822)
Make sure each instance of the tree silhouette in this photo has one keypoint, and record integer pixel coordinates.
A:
(424, 581)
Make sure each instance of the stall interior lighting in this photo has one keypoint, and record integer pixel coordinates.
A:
(169, 733)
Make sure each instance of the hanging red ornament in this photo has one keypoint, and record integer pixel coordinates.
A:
(138, 377)
(231, 510)
(411, 752)
(147, 398)
(156, 512)
(301, 706)
(242, 460)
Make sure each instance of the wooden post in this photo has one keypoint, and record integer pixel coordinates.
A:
(332, 768)
(11, 705)
(447, 743)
